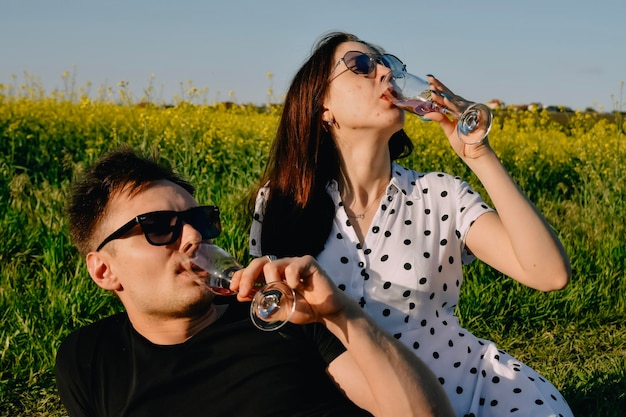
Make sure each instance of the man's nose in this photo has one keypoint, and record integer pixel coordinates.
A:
(190, 238)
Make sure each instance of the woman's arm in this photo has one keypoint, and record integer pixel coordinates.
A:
(517, 240)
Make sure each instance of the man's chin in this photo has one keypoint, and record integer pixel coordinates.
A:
(201, 306)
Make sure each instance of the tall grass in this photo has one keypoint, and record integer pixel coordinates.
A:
(573, 171)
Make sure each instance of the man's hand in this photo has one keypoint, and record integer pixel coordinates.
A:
(317, 297)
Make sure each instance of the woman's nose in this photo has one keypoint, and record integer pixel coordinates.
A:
(382, 70)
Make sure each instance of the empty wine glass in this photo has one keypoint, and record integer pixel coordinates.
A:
(273, 304)
(410, 92)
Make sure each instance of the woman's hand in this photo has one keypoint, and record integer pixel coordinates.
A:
(443, 96)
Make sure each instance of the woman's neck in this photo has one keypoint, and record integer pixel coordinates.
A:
(363, 174)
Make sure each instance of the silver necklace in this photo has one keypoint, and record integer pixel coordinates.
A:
(361, 216)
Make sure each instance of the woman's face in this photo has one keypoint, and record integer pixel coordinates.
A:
(355, 102)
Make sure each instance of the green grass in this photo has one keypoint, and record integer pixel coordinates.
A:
(572, 170)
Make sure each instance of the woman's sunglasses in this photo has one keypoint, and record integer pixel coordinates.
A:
(164, 227)
(364, 64)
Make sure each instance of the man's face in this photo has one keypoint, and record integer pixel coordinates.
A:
(152, 281)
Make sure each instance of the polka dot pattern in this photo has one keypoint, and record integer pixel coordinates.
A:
(407, 275)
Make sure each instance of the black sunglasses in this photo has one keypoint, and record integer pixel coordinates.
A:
(364, 64)
(164, 227)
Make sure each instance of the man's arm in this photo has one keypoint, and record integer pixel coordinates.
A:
(377, 372)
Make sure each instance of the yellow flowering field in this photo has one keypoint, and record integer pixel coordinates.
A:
(572, 168)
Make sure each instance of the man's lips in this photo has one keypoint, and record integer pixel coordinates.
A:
(191, 268)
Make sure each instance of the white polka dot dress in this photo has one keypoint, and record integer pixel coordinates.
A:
(407, 275)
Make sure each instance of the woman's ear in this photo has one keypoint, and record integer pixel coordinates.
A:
(101, 272)
(328, 119)
(327, 116)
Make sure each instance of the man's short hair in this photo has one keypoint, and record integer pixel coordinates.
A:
(121, 170)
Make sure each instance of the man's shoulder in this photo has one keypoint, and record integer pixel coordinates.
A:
(94, 334)
(106, 324)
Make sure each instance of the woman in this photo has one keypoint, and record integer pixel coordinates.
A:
(396, 239)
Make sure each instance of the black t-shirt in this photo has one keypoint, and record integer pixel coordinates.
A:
(228, 369)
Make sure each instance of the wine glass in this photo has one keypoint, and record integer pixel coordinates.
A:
(273, 304)
(410, 92)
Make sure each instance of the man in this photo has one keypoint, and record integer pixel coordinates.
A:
(179, 350)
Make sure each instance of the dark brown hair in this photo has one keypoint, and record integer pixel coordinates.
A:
(121, 170)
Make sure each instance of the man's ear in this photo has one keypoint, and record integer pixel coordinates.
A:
(100, 271)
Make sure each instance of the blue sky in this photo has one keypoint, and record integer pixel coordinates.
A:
(556, 52)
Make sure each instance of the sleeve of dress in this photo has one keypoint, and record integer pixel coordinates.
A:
(257, 223)
(470, 206)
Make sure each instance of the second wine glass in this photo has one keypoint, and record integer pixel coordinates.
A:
(273, 304)
(410, 92)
